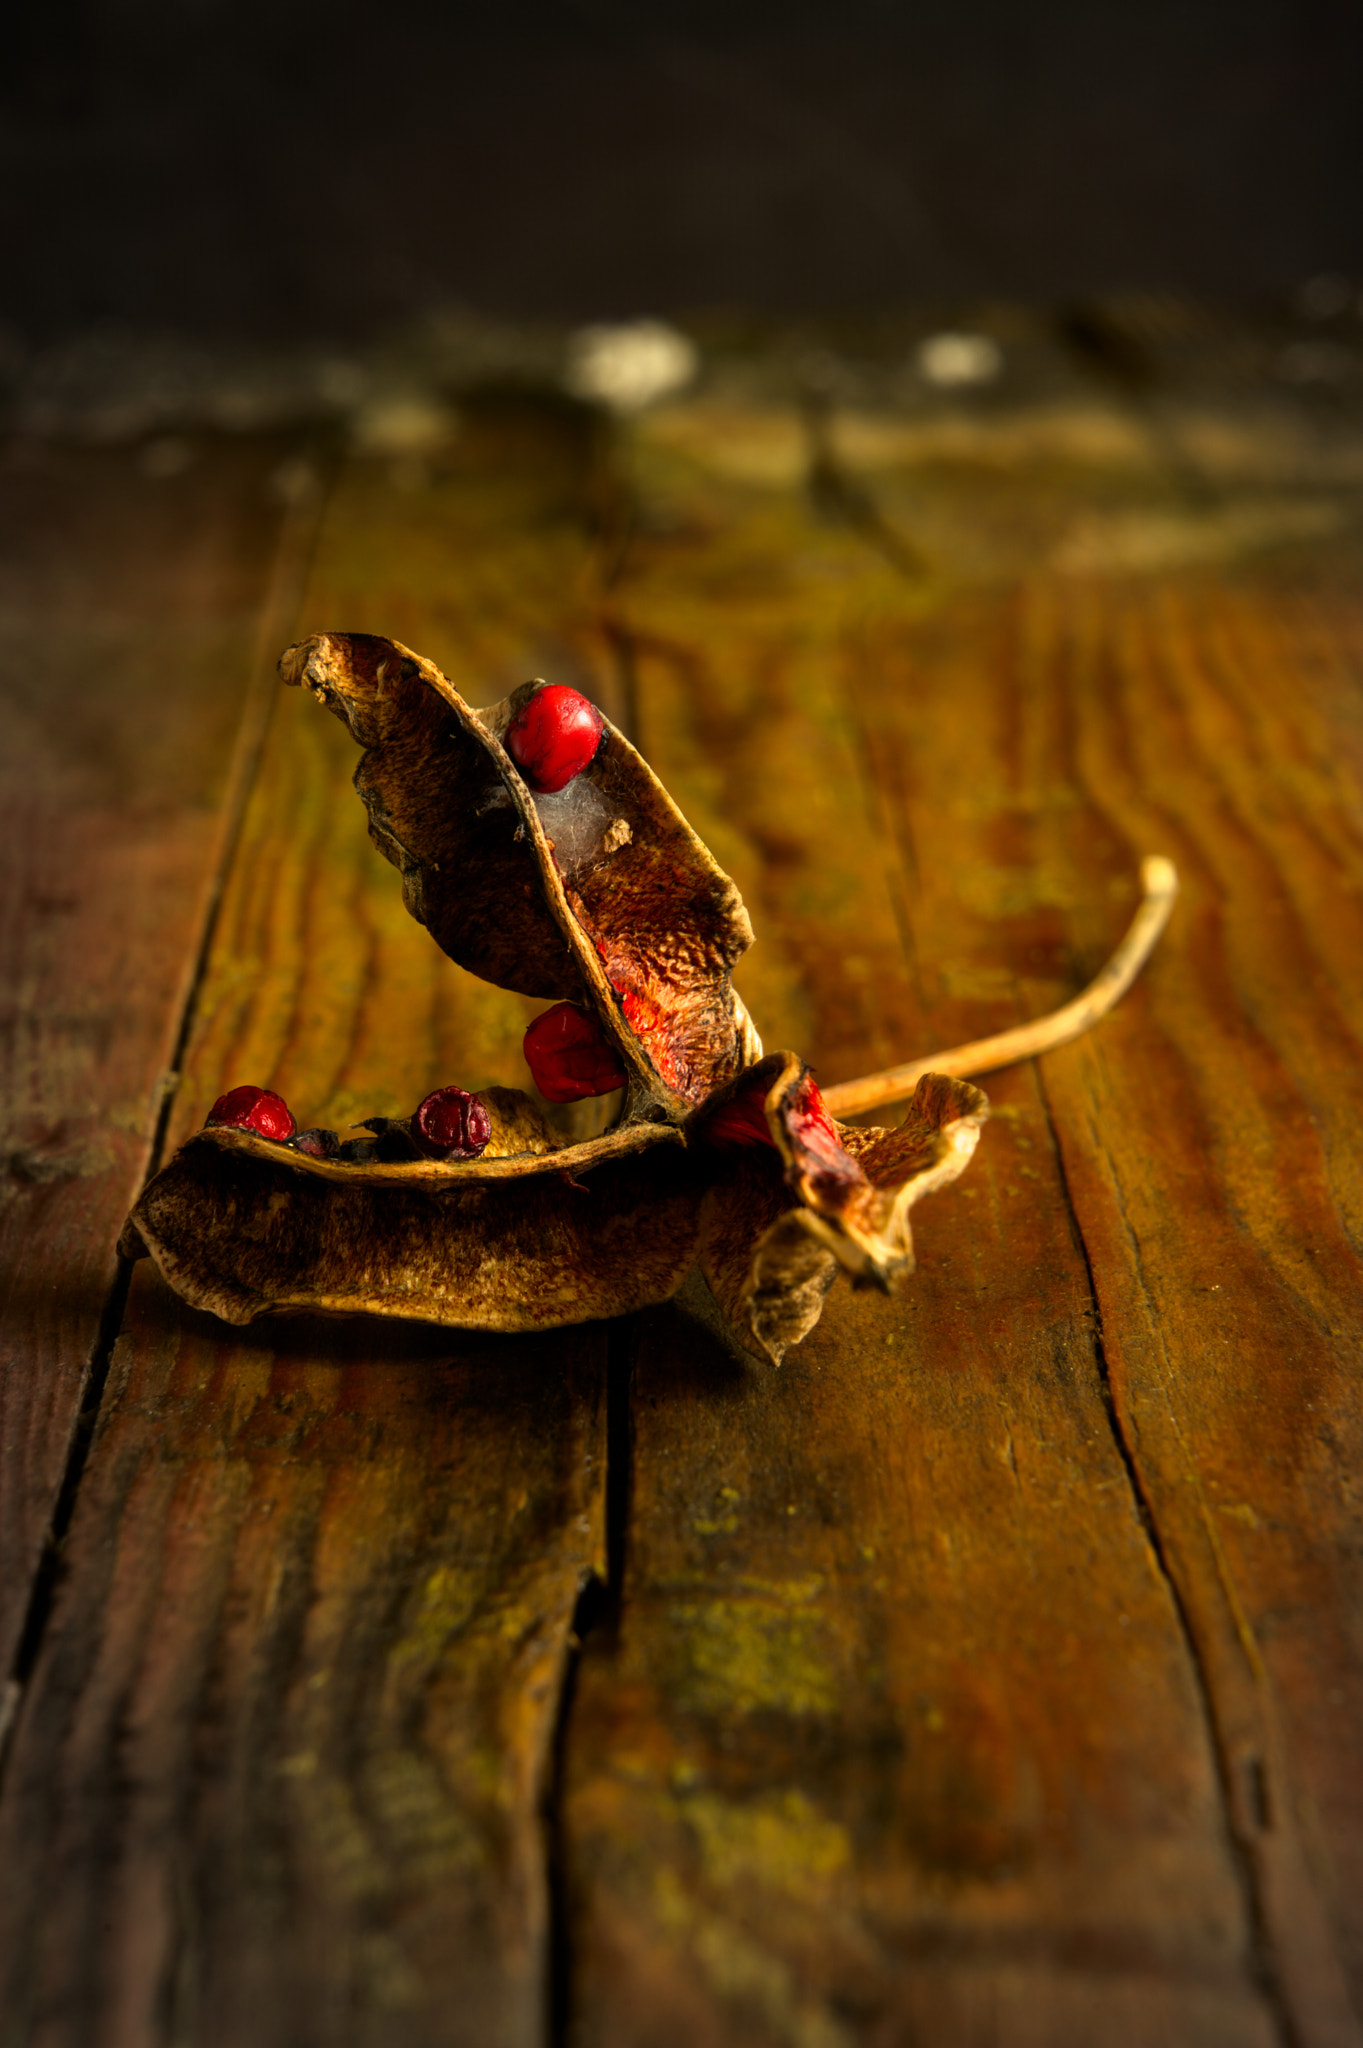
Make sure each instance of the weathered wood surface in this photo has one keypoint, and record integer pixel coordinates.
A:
(278, 1773)
(990, 1674)
(133, 607)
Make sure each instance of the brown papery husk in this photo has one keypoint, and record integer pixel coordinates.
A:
(637, 909)
(620, 907)
(776, 1230)
(242, 1232)
(242, 1227)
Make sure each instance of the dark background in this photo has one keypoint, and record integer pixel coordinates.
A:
(234, 167)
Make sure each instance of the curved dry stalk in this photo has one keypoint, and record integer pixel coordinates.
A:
(1159, 879)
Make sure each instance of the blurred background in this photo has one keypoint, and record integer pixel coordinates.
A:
(268, 170)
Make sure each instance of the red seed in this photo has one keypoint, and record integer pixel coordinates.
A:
(452, 1124)
(254, 1109)
(570, 1056)
(554, 737)
(743, 1119)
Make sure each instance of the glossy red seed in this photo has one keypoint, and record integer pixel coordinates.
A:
(452, 1124)
(254, 1109)
(554, 737)
(570, 1056)
(742, 1120)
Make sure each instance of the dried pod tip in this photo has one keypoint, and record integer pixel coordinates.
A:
(452, 1124)
(554, 737)
(254, 1109)
(570, 1056)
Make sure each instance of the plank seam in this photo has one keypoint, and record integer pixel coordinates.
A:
(596, 1615)
(292, 561)
(297, 544)
(1257, 1780)
(1264, 1966)
(838, 495)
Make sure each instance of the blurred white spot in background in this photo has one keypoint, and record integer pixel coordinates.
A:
(167, 456)
(242, 408)
(1317, 362)
(1324, 297)
(340, 382)
(629, 367)
(295, 482)
(12, 352)
(402, 423)
(951, 360)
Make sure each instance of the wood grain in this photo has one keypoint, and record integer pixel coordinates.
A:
(1203, 1141)
(988, 1676)
(963, 1689)
(278, 1775)
(131, 606)
(321, 985)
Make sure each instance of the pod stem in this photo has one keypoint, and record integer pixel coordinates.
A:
(1159, 880)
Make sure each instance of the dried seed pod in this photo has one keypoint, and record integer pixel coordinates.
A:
(515, 1243)
(626, 913)
(543, 854)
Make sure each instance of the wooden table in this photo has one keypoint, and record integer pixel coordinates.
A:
(992, 1673)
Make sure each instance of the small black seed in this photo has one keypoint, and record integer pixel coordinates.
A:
(396, 1143)
(316, 1144)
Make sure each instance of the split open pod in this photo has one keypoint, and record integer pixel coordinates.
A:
(543, 854)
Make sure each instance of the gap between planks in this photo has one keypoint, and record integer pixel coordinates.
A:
(278, 615)
(1297, 1963)
(1256, 1912)
(598, 1604)
(597, 1614)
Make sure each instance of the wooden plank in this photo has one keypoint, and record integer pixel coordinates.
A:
(1232, 1341)
(984, 1676)
(922, 1719)
(1205, 1140)
(279, 1771)
(131, 606)
(900, 1741)
(277, 1776)
(321, 981)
